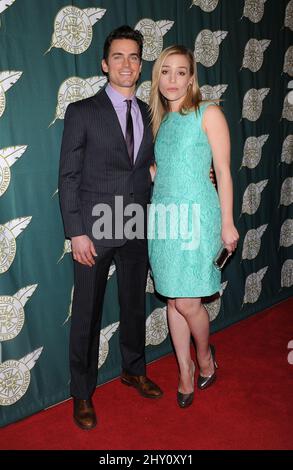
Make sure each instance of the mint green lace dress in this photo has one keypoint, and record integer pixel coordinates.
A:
(184, 229)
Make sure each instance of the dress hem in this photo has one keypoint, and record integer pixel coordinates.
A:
(188, 296)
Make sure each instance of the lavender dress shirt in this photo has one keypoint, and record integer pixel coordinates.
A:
(120, 106)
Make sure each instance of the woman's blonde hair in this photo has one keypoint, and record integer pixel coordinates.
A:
(159, 105)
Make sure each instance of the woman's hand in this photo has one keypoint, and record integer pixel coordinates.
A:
(153, 171)
(230, 237)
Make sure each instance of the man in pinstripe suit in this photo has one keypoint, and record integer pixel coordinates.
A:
(96, 165)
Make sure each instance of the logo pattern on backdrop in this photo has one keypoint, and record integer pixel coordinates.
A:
(12, 312)
(153, 32)
(15, 377)
(206, 46)
(5, 4)
(206, 5)
(76, 89)
(8, 156)
(8, 234)
(73, 28)
(7, 79)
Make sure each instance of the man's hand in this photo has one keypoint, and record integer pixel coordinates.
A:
(153, 170)
(83, 250)
(213, 177)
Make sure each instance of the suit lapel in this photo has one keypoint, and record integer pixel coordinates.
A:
(103, 101)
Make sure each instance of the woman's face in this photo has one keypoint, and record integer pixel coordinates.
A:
(174, 79)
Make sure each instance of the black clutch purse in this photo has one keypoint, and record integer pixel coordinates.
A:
(221, 258)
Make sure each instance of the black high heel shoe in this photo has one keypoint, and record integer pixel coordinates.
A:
(204, 382)
(185, 399)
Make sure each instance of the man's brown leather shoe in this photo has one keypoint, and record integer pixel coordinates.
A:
(84, 413)
(144, 386)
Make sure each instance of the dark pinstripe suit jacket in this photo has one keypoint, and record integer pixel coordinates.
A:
(95, 167)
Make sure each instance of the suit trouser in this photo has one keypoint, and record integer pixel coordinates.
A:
(89, 288)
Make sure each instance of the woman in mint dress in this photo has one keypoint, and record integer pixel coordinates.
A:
(188, 220)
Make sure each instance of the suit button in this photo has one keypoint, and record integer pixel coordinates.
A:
(131, 194)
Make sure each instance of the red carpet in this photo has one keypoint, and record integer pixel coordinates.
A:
(249, 407)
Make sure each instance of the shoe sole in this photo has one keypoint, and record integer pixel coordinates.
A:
(129, 384)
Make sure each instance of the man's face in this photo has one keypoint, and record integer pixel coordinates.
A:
(123, 65)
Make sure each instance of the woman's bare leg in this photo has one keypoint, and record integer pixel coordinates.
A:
(180, 333)
(198, 322)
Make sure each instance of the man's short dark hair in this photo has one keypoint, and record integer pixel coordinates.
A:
(123, 32)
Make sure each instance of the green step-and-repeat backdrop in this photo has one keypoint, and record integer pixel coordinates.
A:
(50, 54)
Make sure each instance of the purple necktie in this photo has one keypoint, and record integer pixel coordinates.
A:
(129, 132)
